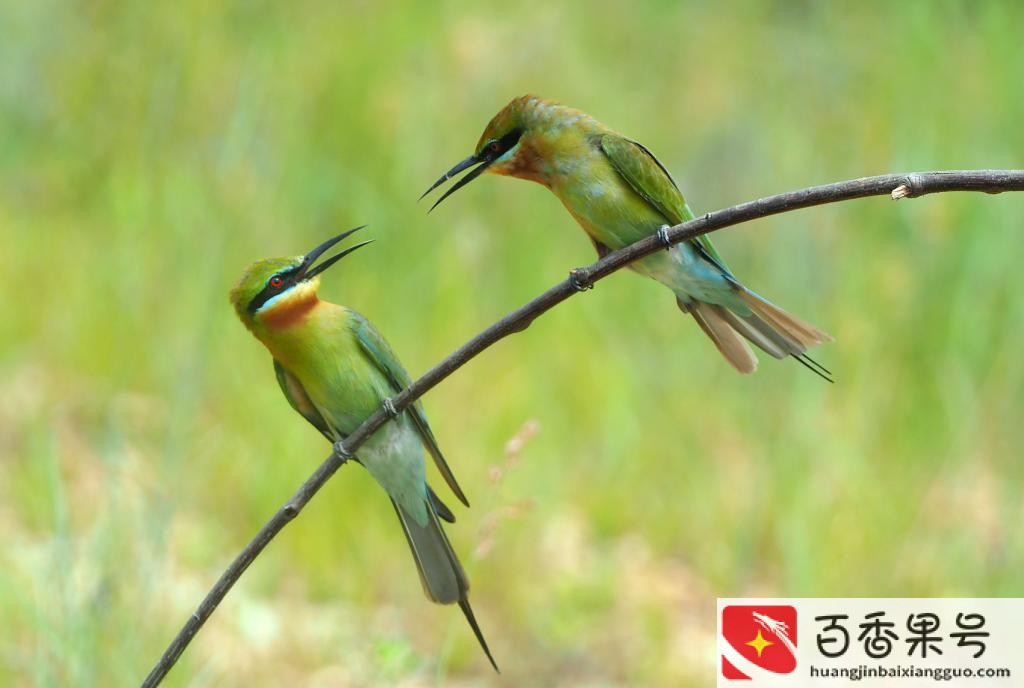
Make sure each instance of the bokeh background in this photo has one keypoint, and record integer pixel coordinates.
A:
(622, 476)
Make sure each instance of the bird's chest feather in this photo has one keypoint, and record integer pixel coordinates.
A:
(324, 355)
(603, 204)
(346, 392)
(333, 370)
(612, 213)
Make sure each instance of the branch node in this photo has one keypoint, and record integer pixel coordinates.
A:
(901, 191)
(389, 408)
(290, 511)
(341, 451)
(663, 237)
(519, 327)
(579, 280)
(912, 186)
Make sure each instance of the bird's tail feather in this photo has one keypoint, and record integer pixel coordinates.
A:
(800, 334)
(442, 576)
(725, 337)
(440, 508)
(771, 329)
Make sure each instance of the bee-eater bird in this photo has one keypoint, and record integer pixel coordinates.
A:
(619, 193)
(335, 369)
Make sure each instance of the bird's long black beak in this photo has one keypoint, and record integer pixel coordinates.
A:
(483, 163)
(307, 270)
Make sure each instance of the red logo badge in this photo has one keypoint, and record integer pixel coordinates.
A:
(763, 635)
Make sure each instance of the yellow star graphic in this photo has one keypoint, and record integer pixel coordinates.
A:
(759, 643)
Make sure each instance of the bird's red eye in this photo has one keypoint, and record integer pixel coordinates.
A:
(276, 282)
(495, 146)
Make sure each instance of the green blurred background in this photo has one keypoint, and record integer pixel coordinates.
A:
(149, 151)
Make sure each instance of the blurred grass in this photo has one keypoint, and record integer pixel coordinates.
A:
(149, 151)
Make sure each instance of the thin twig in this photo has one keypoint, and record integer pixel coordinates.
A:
(897, 185)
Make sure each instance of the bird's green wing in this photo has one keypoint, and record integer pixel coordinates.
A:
(296, 395)
(380, 355)
(649, 178)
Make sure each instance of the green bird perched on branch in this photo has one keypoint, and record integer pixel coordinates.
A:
(335, 369)
(619, 193)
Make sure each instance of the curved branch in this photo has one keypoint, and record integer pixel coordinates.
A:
(896, 185)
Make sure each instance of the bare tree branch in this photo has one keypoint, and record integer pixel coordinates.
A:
(896, 185)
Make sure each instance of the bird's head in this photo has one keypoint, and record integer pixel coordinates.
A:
(516, 142)
(273, 289)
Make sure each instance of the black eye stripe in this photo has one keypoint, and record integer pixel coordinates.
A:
(506, 142)
(510, 139)
(269, 291)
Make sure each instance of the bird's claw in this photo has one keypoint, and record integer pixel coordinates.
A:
(578, 282)
(389, 408)
(341, 451)
(663, 236)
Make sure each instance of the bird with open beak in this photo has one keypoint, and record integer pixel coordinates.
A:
(619, 193)
(335, 369)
